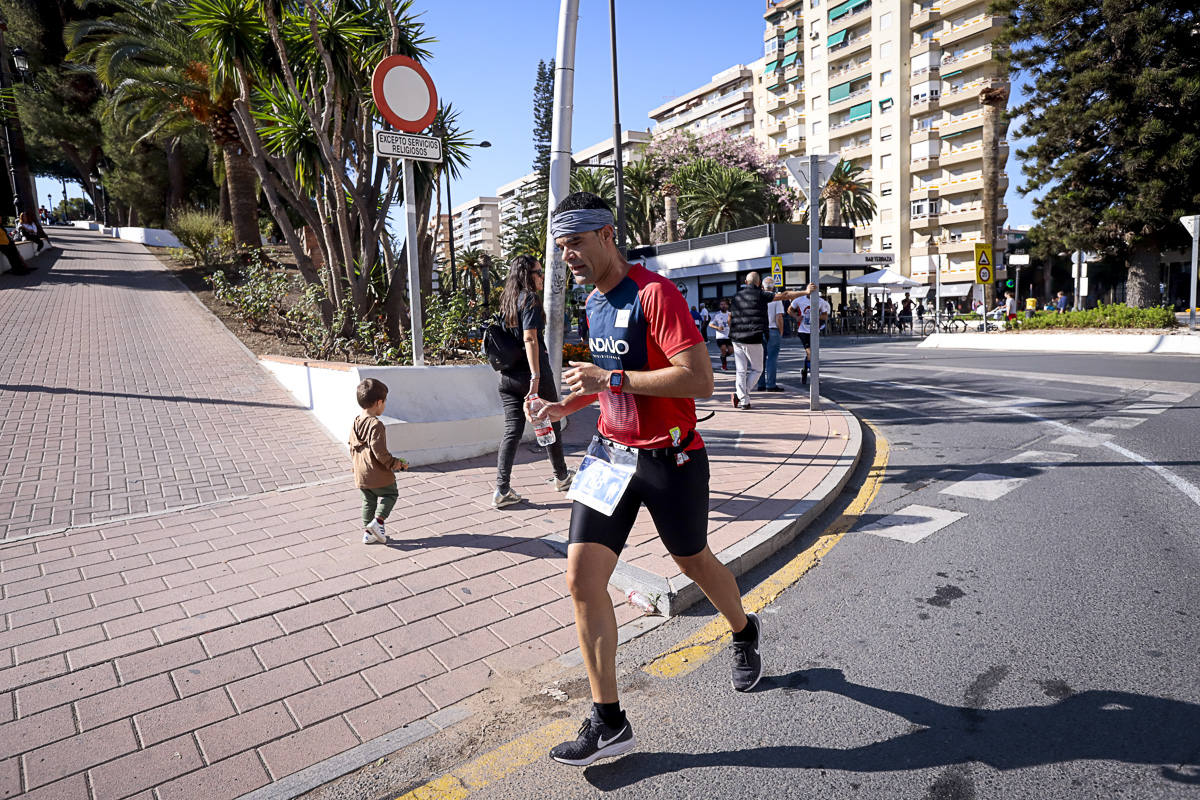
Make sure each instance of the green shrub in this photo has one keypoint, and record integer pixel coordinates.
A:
(206, 239)
(1117, 315)
(259, 295)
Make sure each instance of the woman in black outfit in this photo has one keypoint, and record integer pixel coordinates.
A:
(521, 307)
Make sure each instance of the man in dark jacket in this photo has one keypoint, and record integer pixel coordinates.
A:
(748, 330)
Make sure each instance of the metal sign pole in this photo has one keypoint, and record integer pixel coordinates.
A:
(814, 277)
(414, 275)
(1192, 306)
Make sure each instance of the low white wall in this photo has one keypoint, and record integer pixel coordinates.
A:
(1030, 342)
(155, 237)
(86, 225)
(28, 252)
(433, 414)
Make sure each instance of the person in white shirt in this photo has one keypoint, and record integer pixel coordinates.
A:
(801, 309)
(704, 319)
(766, 381)
(719, 322)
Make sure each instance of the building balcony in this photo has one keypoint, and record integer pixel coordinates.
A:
(846, 20)
(950, 6)
(923, 222)
(772, 32)
(923, 163)
(925, 105)
(922, 47)
(851, 150)
(858, 43)
(925, 16)
(968, 92)
(850, 99)
(849, 128)
(966, 60)
(963, 155)
(923, 134)
(957, 215)
(926, 192)
(932, 72)
(972, 27)
(848, 72)
(962, 122)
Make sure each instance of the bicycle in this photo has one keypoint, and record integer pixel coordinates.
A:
(942, 325)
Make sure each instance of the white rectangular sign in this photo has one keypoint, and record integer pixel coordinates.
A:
(389, 144)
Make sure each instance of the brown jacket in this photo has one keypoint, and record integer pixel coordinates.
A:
(373, 464)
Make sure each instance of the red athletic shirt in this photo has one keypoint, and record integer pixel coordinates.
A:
(639, 325)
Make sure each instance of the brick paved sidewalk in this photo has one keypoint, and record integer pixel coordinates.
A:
(212, 651)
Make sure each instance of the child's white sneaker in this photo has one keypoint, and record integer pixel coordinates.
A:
(507, 499)
(374, 533)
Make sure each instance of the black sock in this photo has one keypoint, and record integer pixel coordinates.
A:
(746, 634)
(610, 714)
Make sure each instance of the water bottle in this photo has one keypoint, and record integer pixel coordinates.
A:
(641, 602)
(541, 425)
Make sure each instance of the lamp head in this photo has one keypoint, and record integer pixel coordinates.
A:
(20, 60)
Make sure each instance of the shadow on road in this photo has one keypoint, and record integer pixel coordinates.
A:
(1094, 725)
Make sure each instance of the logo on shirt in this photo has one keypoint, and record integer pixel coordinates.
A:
(618, 347)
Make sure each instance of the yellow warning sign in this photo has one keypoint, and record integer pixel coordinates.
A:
(777, 271)
(983, 263)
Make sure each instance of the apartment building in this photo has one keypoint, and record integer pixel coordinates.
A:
(779, 101)
(725, 103)
(441, 249)
(895, 86)
(515, 196)
(477, 225)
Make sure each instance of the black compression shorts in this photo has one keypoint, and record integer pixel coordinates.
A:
(676, 496)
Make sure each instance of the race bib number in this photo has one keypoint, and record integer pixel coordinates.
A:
(603, 477)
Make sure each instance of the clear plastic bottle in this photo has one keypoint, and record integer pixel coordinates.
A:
(641, 602)
(541, 425)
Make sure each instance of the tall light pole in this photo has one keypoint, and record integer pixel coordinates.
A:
(620, 177)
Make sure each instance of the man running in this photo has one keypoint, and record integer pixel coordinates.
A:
(649, 364)
(801, 309)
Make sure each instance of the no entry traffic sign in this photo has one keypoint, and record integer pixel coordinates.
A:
(404, 93)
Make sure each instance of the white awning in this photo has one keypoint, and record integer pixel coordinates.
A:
(956, 289)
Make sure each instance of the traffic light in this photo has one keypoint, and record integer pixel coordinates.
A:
(1009, 283)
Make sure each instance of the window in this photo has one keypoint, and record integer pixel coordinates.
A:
(885, 242)
(816, 51)
(886, 215)
(814, 77)
(918, 209)
(935, 207)
(885, 51)
(885, 133)
(886, 104)
(818, 129)
(812, 29)
(885, 21)
(816, 102)
(885, 76)
(885, 189)
(814, 3)
(885, 162)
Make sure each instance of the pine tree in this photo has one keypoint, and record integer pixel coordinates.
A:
(543, 122)
(1113, 108)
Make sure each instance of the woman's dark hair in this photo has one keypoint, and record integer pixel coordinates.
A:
(577, 201)
(520, 279)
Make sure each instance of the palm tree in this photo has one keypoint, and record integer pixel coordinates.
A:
(994, 100)
(599, 182)
(643, 206)
(161, 77)
(714, 198)
(846, 198)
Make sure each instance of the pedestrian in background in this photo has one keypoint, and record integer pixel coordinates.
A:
(748, 330)
(704, 319)
(16, 262)
(801, 310)
(1061, 303)
(775, 318)
(720, 324)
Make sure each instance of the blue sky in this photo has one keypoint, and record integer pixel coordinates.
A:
(485, 62)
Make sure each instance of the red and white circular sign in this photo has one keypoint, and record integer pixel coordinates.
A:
(404, 93)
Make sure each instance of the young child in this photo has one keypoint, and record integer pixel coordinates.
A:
(373, 463)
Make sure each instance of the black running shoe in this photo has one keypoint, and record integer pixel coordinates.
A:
(747, 664)
(804, 375)
(596, 740)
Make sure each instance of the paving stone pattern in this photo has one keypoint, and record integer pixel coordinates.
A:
(211, 651)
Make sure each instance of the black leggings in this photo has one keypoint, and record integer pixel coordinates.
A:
(512, 395)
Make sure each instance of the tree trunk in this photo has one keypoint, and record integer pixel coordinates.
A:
(671, 214)
(226, 216)
(1142, 284)
(243, 206)
(994, 100)
(175, 179)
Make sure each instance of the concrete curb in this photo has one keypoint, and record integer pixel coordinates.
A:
(677, 594)
(1106, 343)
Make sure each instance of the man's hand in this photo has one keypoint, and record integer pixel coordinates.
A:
(586, 378)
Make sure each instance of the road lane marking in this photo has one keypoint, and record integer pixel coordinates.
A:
(1188, 489)
(1123, 423)
(692, 652)
(983, 486)
(1082, 439)
(1048, 458)
(494, 765)
(913, 523)
(1145, 407)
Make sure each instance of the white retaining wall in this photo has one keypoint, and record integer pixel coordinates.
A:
(433, 414)
(1030, 342)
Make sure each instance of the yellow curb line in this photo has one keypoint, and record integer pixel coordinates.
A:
(680, 660)
(714, 636)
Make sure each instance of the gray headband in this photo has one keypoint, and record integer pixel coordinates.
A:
(565, 223)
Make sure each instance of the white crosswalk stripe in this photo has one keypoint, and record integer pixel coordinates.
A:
(913, 523)
(987, 486)
(1124, 423)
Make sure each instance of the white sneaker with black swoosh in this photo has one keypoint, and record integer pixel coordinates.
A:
(596, 740)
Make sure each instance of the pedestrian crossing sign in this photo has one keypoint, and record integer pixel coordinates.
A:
(777, 271)
(983, 263)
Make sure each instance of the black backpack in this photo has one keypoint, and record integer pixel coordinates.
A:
(502, 350)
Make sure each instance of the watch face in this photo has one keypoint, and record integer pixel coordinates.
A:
(614, 380)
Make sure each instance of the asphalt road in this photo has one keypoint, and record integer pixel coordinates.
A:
(1031, 633)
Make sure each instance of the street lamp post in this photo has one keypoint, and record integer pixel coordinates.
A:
(619, 178)
(102, 211)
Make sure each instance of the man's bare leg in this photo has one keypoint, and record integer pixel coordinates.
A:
(717, 583)
(589, 566)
